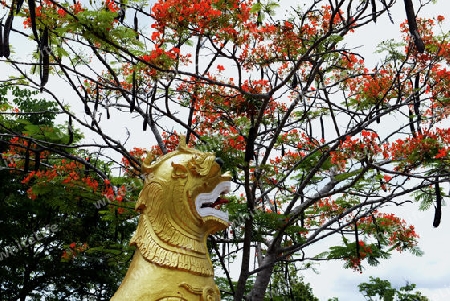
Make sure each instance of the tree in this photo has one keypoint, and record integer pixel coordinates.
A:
(287, 285)
(55, 241)
(295, 114)
(384, 290)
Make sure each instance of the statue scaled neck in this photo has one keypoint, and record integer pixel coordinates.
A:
(178, 211)
(169, 247)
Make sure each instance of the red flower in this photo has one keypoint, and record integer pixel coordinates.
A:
(61, 12)
(441, 153)
(365, 133)
(155, 35)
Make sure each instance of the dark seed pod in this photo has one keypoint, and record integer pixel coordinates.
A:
(7, 30)
(411, 123)
(121, 13)
(322, 127)
(1, 37)
(136, 25)
(87, 110)
(437, 209)
(97, 96)
(70, 130)
(45, 58)
(250, 147)
(32, 9)
(87, 167)
(145, 124)
(358, 251)
(133, 92)
(412, 24)
(294, 82)
(374, 11)
(19, 6)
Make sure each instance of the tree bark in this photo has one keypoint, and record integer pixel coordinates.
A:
(262, 278)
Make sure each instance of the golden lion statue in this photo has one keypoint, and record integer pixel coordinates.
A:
(179, 207)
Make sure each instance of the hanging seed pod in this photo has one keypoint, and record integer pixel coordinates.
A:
(107, 113)
(294, 82)
(322, 127)
(121, 13)
(358, 251)
(87, 110)
(412, 24)
(374, 11)
(97, 96)
(136, 25)
(32, 9)
(416, 100)
(7, 30)
(45, 58)
(437, 209)
(153, 96)
(1, 37)
(377, 229)
(19, 6)
(250, 147)
(87, 167)
(145, 124)
(411, 123)
(70, 130)
(133, 92)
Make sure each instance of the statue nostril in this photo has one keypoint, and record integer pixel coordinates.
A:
(219, 161)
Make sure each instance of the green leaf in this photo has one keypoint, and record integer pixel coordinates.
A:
(256, 7)
(347, 175)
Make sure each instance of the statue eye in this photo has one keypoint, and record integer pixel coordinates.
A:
(219, 161)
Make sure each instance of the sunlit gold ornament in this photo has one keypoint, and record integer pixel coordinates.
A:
(177, 213)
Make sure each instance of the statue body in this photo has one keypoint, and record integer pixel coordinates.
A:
(178, 210)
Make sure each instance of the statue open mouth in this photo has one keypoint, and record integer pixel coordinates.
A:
(209, 204)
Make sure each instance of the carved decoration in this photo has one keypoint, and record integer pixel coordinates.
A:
(179, 208)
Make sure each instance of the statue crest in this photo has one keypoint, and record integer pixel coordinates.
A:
(179, 207)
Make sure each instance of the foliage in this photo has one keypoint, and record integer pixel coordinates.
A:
(287, 285)
(384, 291)
(55, 241)
(295, 113)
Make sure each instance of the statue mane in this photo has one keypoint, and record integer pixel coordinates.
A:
(179, 207)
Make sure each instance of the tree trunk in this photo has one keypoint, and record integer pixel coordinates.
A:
(262, 279)
(240, 286)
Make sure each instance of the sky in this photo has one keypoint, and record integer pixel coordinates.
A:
(431, 272)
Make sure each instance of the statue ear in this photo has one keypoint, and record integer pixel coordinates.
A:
(179, 171)
(149, 197)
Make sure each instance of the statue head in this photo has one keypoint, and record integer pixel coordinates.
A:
(180, 206)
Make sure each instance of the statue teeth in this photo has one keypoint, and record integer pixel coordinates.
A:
(208, 204)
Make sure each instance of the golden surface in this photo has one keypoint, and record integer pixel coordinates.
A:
(171, 262)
